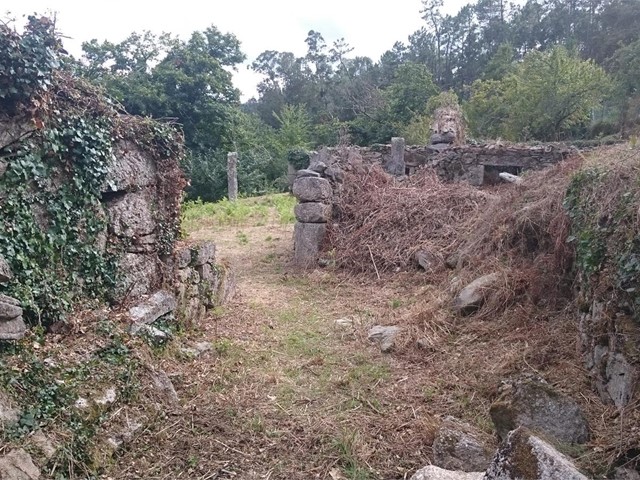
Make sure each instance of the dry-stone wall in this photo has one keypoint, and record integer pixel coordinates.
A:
(317, 186)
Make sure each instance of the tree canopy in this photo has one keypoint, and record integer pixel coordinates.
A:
(540, 70)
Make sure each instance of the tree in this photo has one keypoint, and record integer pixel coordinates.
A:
(548, 95)
(625, 66)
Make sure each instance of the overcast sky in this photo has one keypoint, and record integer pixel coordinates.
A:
(370, 26)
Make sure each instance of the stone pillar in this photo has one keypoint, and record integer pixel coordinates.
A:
(395, 165)
(232, 175)
(312, 214)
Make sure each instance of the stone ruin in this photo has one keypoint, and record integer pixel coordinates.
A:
(317, 186)
(447, 127)
(135, 204)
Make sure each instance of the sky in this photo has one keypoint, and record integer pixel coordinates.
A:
(371, 27)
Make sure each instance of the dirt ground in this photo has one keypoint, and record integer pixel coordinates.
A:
(287, 392)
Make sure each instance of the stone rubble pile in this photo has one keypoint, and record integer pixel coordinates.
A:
(528, 416)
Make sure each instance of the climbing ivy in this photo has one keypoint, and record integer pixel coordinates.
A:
(602, 203)
(53, 229)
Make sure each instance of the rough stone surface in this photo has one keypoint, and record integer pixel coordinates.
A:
(308, 238)
(5, 270)
(307, 172)
(204, 252)
(428, 261)
(309, 189)
(131, 215)
(164, 387)
(524, 456)
(607, 341)
(432, 472)
(472, 296)
(459, 446)
(395, 165)
(44, 444)
(140, 272)
(335, 174)
(154, 307)
(533, 403)
(313, 212)
(626, 474)
(183, 257)
(131, 169)
(385, 336)
(13, 329)
(9, 309)
(8, 413)
(621, 379)
(3, 168)
(18, 465)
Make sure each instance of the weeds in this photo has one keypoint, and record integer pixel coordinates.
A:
(254, 211)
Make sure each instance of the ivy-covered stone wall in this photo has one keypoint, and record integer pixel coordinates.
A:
(89, 196)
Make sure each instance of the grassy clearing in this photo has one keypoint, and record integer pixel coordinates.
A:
(255, 211)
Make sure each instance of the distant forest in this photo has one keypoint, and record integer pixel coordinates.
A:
(546, 70)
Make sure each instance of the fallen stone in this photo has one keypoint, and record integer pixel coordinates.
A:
(625, 474)
(5, 271)
(18, 465)
(164, 387)
(459, 446)
(202, 253)
(385, 336)
(308, 238)
(8, 413)
(525, 456)
(150, 332)
(312, 212)
(432, 472)
(154, 307)
(508, 177)
(3, 168)
(428, 261)
(44, 444)
(310, 189)
(344, 323)
(473, 295)
(533, 403)
(307, 172)
(196, 350)
(13, 329)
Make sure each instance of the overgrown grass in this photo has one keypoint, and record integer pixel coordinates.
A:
(251, 211)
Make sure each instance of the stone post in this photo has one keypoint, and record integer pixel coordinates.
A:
(232, 175)
(315, 195)
(395, 165)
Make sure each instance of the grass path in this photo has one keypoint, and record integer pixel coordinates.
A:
(287, 393)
